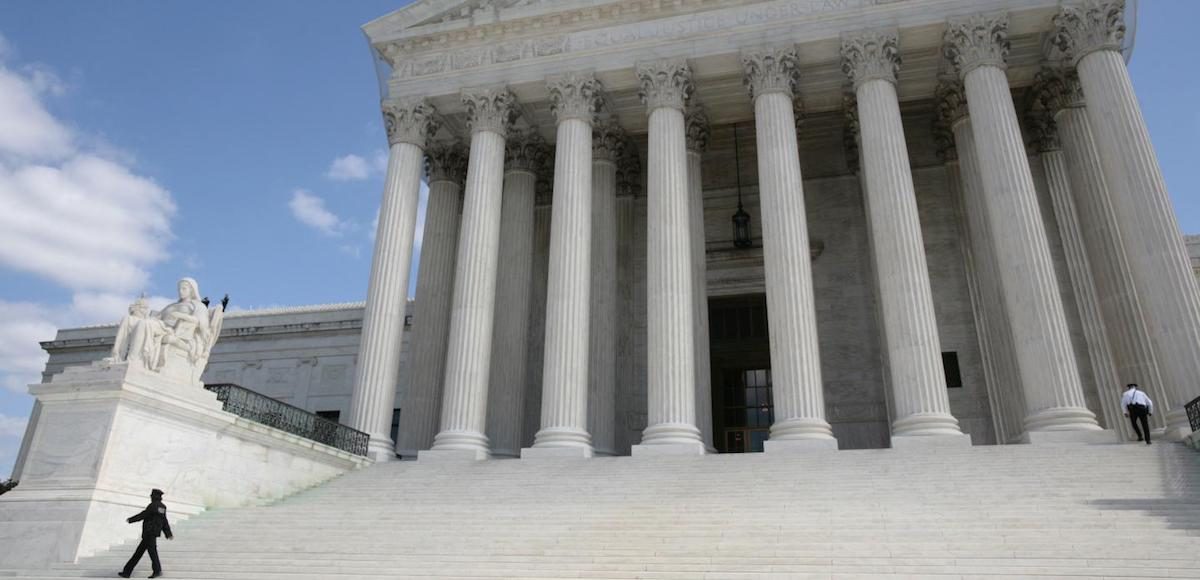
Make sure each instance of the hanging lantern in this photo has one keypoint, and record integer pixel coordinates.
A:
(741, 219)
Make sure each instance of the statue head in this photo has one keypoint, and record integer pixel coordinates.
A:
(140, 307)
(188, 289)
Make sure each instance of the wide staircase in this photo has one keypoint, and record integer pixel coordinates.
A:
(1107, 511)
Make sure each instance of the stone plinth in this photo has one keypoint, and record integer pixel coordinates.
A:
(109, 433)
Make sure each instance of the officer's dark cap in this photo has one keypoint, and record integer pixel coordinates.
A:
(156, 492)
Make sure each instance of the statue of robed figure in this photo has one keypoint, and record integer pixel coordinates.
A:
(182, 333)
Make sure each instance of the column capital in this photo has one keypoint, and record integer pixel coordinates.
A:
(951, 101)
(1058, 89)
(446, 161)
(1082, 28)
(575, 95)
(850, 131)
(525, 151)
(1042, 129)
(695, 123)
(543, 186)
(977, 40)
(871, 55)
(665, 83)
(490, 109)
(771, 69)
(608, 139)
(410, 120)
(629, 170)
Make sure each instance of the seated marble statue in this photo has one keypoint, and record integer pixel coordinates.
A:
(186, 327)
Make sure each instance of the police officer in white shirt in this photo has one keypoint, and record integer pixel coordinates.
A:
(1138, 407)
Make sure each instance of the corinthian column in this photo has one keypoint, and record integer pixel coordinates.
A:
(445, 168)
(1124, 324)
(607, 142)
(995, 331)
(1058, 182)
(490, 112)
(1055, 406)
(574, 100)
(697, 141)
(666, 86)
(1091, 33)
(771, 77)
(409, 123)
(510, 337)
(914, 357)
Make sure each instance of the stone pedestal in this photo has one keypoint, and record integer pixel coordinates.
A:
(108, 434)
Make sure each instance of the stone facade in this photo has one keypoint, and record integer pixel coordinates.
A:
(945, 251)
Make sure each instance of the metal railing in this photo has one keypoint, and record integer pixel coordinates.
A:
(1193, 413)
(262, 409)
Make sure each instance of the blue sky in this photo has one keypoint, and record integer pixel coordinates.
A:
(142, 140)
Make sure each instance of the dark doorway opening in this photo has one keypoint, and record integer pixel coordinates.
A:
(743, 402)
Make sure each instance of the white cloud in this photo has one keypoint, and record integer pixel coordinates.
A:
(30, 131)
(72, 212)
(349, 168)
(87, 223)
(310, 211)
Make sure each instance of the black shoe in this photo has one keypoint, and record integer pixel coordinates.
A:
(1147, 442)
(123, 574)
(155, 575)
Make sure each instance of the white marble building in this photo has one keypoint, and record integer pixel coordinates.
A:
(949, 236)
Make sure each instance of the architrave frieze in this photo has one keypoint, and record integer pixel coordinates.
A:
(639, 30)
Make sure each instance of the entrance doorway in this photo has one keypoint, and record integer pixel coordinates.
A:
(743, 402)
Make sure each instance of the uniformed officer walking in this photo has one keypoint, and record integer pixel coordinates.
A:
(1138, 407)
(154, 522)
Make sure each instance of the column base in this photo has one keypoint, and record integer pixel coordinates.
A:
(381, 450)
(451, 455)
(667, 449)
(556, 453)
(406, 454)
(931, 442)
(1077, 437)
(781, 446)
(1178, 426)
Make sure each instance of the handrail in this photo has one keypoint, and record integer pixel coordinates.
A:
(260, 408)
(1193, 413)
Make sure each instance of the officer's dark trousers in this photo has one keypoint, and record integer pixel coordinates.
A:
(147, 545)
(1139, 413)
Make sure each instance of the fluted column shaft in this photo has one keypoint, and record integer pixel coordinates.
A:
(537, 315)
(510, 337)
(671, 385)
(914, 352)
(997, 333)
(602, 367)
(1053, 392)
(1124, 323)
(1103, 364)
(791, 314)
(1150, 234)
(568, 328)
(472, 312)
(431, 323)
(408, 123)
(697, 140)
